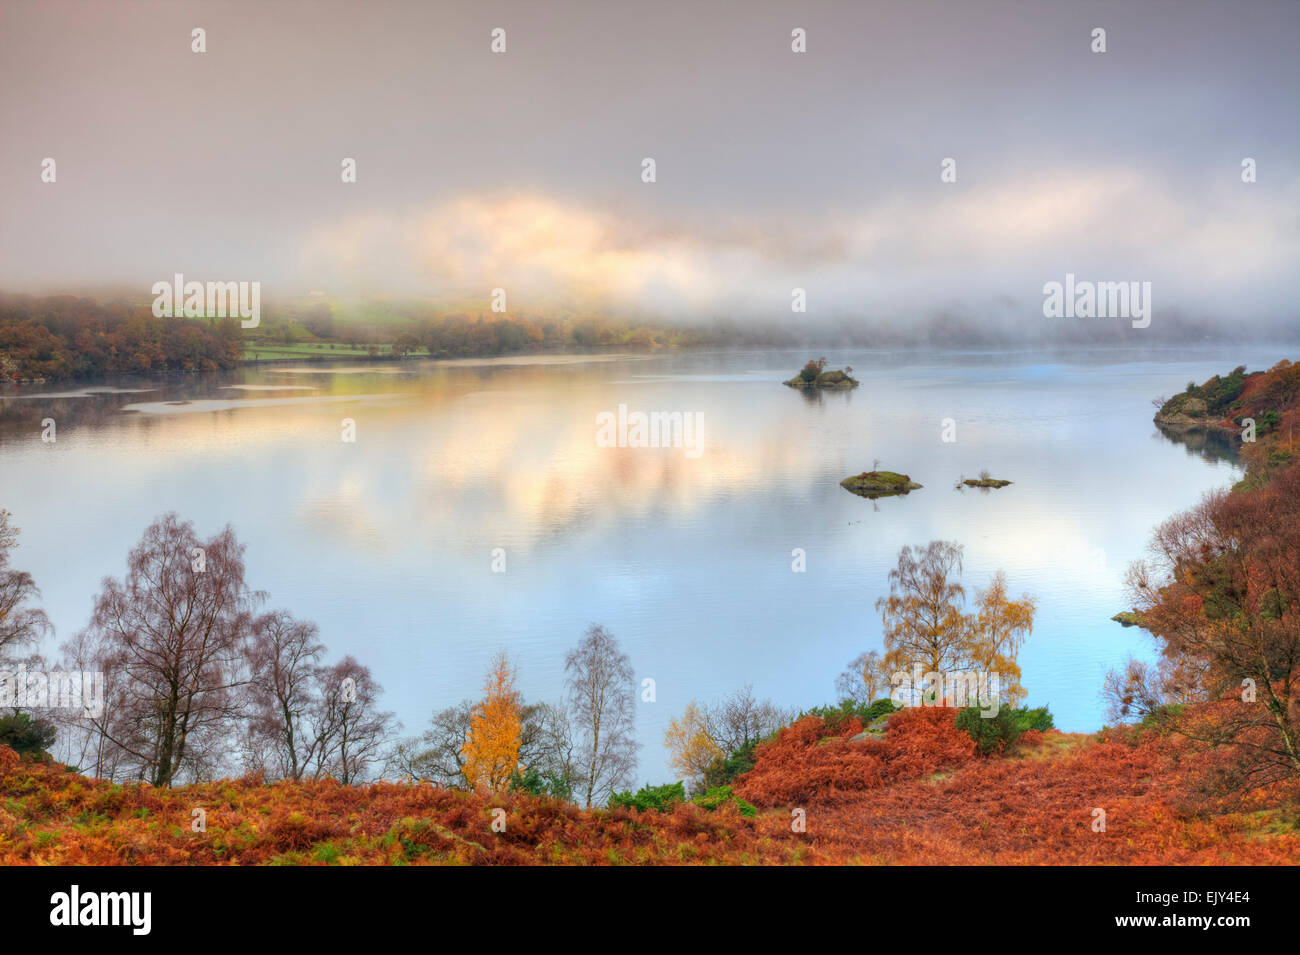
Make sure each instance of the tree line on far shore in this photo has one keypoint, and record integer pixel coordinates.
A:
(67, 337)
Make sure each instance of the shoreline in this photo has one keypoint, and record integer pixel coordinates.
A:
(1064, 356)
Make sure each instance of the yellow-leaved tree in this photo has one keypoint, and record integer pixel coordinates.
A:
(1000, 627)
(924, 624)
(922, 617)
(491, 750)
(690, 747)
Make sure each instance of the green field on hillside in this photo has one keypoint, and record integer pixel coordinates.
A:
(313, 350)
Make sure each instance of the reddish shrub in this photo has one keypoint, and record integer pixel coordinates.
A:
(1001, 811)
(296, 830)
(922, 740)
(807, 763)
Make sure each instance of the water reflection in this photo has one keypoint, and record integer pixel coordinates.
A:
(1212, 445)
(386, 542)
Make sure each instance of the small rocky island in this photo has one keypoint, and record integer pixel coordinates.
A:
(814, 375)
(983, 481)
(874, 484)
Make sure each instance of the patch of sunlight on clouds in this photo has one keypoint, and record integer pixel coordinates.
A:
(970, 241)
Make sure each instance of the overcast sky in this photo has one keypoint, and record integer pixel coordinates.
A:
(774, 169)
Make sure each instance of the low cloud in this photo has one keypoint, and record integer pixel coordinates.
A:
(966, 245)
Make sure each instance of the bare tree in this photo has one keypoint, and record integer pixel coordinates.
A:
(350, 730)
(1133, 694)
(170, 636)
(191, 679)
(21, 626)
(548, 747)
(602, 701)
(283, 659)
(864, 680)
(83, 736)
(740, 719)
(435, 755)
(1143, 689)
(709, 742)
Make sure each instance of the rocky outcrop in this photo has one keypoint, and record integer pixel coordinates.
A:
(1184, 413)
(875, 484)
(838, 380)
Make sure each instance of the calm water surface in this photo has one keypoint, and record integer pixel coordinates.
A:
(387, 542)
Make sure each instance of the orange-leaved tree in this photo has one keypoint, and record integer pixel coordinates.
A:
(1222, 594)
(491, 750)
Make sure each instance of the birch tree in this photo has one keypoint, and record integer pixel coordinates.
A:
(601, 691)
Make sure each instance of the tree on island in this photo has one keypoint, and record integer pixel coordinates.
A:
(812, 370)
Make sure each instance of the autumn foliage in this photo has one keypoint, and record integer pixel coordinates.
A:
(1035, 808)
(811, 761)
(66, 337)
(491, 751)
(1221, 593)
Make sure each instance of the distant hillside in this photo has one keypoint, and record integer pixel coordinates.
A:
(66, 337)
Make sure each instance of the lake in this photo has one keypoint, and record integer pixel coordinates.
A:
(387, 542)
